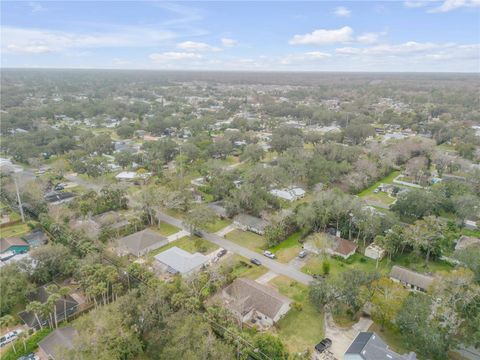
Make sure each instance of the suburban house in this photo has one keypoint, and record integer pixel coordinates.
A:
(251, 223)
(53, 346)
(140, 243)
(255, 303)
(411, 279)
(64, 307)
(132, 176)
(14, 245)
(36, 238)
(466, 241)
(218, 209)
(375, 252)
(289, 194)
(333, 245)
(56, 197)
(343, 248)
(179, 261)
(369, 346)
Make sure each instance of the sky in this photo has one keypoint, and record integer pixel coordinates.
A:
(390, 36)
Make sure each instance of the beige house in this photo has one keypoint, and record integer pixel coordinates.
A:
(255, 304)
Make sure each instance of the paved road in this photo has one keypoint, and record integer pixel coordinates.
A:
(275, 266)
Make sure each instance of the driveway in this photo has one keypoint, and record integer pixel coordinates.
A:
(82, 182)
(342, 338)
(275, 266)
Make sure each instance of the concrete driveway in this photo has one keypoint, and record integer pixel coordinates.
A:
(342, 338)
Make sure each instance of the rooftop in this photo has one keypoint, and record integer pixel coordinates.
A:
(180, 260)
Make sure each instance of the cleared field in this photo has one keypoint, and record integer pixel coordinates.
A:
(247, 239)
(302, 327)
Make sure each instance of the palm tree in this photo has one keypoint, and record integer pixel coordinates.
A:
(63, 292)
(37, 308)
(7, 321)
(23, 336)
(52, 303)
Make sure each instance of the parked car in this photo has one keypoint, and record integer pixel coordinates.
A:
(269, 254)
(323, 345)
(30, 356)
(221, 252)
(302, 254)
(256, 262)
(9, 337)
(59, 187)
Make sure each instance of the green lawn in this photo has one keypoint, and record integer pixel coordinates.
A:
(190, 244)
(287, 249)
(360, 262)
(243, 268)
(167, 229)
(247, 239)
(299, 329)
(219, 224)
(15, 230)
(386, 180)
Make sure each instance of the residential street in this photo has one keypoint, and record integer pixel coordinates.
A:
(275, 266)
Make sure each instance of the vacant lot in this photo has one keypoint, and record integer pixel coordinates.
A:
(15, 230)
(241, 267)
(368, 194)
(287, 249)
(219, 224)
(301, 328)
(247, 239)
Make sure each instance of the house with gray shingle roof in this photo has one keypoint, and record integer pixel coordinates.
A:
(179, 261)
(140, 243)
(254, 302)
(57, 343)
(369, 346)
(411, 279)
(250, 223)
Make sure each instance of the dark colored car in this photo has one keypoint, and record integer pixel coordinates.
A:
(323, 345)
(221, 252)
(256, 262)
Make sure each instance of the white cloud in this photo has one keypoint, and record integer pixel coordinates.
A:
(342, 11)
(118, 62)
(417, 3)
(407, 48)
(449, 5)
(174, 56)
(299, 58)
(23, 40)
(228, 42)
(323, 36)
(196, 46)
(369, 38)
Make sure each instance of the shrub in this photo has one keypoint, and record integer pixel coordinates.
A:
(326, 267)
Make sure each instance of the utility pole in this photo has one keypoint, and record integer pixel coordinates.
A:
(18, 199)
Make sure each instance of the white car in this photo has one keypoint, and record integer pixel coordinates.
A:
(9, 337)
(269, 254)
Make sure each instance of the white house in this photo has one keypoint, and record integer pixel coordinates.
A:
(375, 252)
(289, 194)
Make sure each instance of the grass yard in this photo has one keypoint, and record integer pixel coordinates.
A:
(248, 239)
(219, 224)
(243, 268)
(15, 230)
(299, 329)
(190, 244)
(362, 263)
(287, 249)
(167, 229)
(386, 180)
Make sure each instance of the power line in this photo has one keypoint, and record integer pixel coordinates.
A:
(125, 272)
